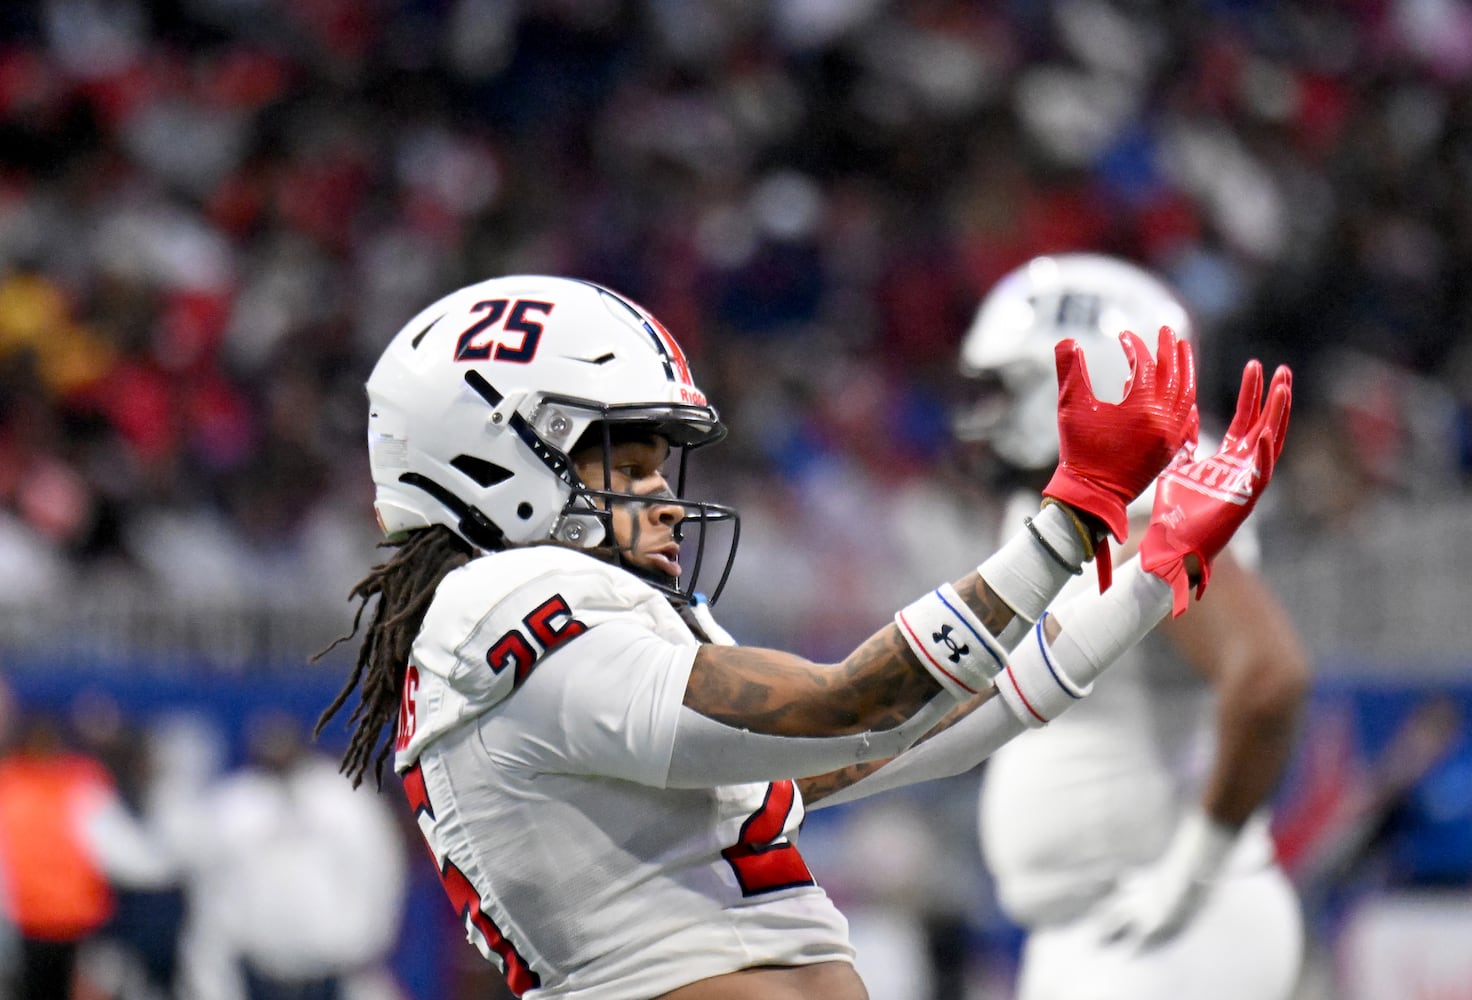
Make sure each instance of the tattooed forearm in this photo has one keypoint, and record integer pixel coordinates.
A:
(876, 687)
(820, 786)
(991, 609)
(884, 676)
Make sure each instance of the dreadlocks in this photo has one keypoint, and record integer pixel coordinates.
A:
(404, 586)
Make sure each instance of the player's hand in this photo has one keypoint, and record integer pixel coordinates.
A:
(1109, 453)
(1200, 503)
(1153, 904)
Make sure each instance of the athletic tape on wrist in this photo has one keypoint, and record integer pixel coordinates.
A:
(1028, 571)
(1043, 680)
(1096, 629)
(1053, 554)
(1086, 535)
(1035, 685)
(1013, 632)
(951, 642)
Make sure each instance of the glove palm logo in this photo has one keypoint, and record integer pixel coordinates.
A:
(1227, 485)
(1228, 478)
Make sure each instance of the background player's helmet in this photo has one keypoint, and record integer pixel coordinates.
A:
(478, 401)
(1007, 356)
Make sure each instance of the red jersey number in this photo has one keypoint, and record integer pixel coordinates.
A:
(408, 708)
(463, 896)
(763, 859)
(550, 624)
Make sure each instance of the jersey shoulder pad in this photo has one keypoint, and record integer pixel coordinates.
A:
(493, 619)
(491, 578)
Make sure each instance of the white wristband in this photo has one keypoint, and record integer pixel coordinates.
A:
(951, 642)
(1035, 685)
(1098, 628)
(1029, 570)
(1043, 680)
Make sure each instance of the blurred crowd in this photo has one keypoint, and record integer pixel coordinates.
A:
(141, 859)
(214, 213)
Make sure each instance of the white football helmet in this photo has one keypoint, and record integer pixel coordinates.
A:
(1007, 354)
(477, 402)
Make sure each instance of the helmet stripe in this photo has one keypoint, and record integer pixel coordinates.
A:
(675, 365)
(664, 353)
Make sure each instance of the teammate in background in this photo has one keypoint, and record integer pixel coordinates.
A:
(282, 909)
(1131, 840)
(604, 779)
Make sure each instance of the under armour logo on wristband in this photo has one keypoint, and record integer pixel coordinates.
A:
(944, 636)
(951, 642)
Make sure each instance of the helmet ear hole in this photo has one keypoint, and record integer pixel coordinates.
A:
(484, 473)
(524, 511)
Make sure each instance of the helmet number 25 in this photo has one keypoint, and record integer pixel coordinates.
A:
(475, 345)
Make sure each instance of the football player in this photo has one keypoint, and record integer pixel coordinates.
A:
(1132, 839)
(610, 787)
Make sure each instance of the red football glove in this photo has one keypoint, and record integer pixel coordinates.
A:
(1200, 503)
(1109, 452)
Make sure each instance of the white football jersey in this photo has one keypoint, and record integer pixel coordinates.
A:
(1067, 809)
(535, 740)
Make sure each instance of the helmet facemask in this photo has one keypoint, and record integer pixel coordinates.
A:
(697, 517)
(992, 425)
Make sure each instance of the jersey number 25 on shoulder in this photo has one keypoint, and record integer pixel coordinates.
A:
(549, 625)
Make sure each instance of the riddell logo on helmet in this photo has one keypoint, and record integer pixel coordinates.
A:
(692, 396)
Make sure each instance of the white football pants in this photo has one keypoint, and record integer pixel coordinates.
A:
(1246, 943)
